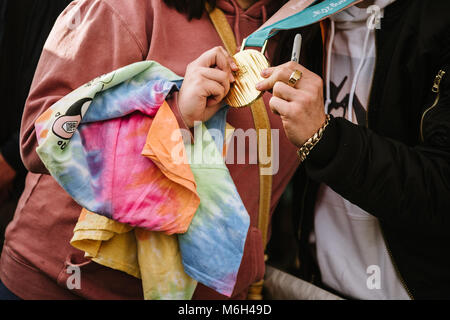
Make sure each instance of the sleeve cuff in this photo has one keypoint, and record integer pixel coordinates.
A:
(325, 150)
(336, 157)
(172, 100)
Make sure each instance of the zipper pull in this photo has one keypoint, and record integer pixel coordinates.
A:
(437, 81)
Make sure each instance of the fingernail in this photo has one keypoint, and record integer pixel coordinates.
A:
(258, 86)
(234, 66)
(264, 72)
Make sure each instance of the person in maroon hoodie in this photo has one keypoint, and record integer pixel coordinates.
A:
(94, 37)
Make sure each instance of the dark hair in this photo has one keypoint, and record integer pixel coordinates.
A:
(193, 8)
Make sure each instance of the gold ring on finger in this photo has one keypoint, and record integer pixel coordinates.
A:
(295, 76)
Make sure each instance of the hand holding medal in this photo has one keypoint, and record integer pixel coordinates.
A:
(251, 63)
(236, 81)
(207, 81)
(298, 92)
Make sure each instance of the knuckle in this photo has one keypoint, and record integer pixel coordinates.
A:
(274, 110)
(194, 69)
(225, 81)
(272, 101)
(302, 98)
(291, 65)
(223, 76)
(218, 50)
(276, 75)
(319, 91)
(296, 110)
(318, 82)
(291, 110)
(308, 97)
(264, 83)
(287, 71)
(276, 71)
(278, 86)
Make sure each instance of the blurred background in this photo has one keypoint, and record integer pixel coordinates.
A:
(24, 27)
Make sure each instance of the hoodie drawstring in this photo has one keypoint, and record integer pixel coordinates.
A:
(371, 22)
(330, 47)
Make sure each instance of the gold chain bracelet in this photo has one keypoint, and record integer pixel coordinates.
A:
(306, 148)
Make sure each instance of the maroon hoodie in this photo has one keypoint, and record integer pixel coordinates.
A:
(112, 34)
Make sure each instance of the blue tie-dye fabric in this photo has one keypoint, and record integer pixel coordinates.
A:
(214, 243)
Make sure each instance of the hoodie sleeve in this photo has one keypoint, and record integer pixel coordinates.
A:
(89, 39)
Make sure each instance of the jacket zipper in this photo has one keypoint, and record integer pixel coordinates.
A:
(395, 266)
(435, 89)
(382, 231)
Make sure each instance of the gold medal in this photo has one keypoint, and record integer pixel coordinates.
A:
(243, 91)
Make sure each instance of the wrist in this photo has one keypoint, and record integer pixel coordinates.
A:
(304, 150)
(174, 104)
(185, 118)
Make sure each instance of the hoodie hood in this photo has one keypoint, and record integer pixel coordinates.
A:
(355, 14)
(259, 12)
(255, 11)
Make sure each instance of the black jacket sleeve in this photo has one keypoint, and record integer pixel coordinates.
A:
(399, 184)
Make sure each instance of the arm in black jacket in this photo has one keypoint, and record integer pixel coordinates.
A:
(397, 183)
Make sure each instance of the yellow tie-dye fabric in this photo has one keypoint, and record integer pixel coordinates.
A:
(153, 257)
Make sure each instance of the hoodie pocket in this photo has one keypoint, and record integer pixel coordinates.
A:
(71, 274)
(90, 280)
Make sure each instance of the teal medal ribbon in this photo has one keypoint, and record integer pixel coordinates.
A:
(310, 15)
